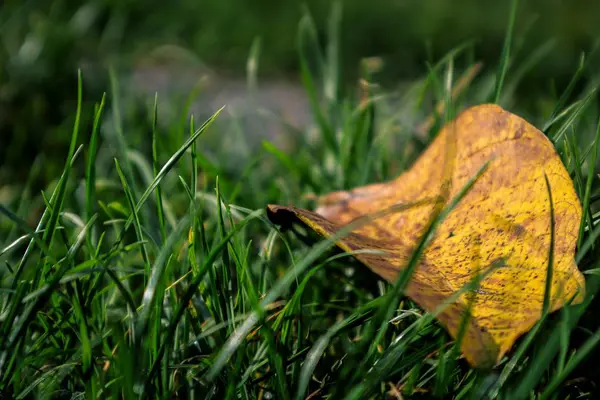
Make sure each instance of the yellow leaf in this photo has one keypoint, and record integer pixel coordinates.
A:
(502, 222)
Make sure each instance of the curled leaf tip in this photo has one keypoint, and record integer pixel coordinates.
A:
(500, 231)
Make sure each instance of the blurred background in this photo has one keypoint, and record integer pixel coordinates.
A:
(211, 46)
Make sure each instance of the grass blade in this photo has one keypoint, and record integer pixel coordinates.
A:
(505, 57)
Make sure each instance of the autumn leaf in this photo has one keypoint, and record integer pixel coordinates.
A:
(502, 225)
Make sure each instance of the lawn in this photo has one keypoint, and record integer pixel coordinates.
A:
(147, 267)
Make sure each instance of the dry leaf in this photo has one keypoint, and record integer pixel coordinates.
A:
(502, 222)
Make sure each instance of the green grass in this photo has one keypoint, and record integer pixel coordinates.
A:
(153, 271)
